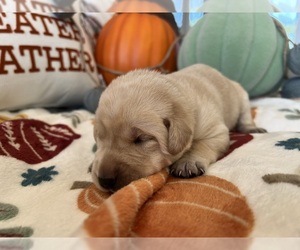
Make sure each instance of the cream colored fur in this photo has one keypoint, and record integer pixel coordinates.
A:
(147, 121)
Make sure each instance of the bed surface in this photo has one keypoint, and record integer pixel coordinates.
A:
(46, 190)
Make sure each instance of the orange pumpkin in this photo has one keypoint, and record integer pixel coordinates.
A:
(136, 6)
(131, 41)
(143, 6)
(162, 8)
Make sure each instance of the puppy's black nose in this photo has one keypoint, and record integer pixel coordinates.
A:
(107, 183)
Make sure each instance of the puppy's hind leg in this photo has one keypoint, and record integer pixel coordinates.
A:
(245, 123)
(202, 153)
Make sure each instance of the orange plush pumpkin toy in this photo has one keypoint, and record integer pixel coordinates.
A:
(131, 40)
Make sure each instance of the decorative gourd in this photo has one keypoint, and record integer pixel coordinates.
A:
(291, 89)
(294, 59)
(137, 6)
(131, 41)
(161, 8)
(247, 47)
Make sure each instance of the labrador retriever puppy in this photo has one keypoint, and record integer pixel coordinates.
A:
(147, 121)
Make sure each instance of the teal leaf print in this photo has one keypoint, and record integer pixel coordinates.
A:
(16, 232)
(8, 211)
(295, 114)
(286, 110)
(36, 177)
(81, 185)
(16, 244)
(292, 117)
(94, 149)
(282, 178)
(76, 117)
(90, 168)
(290, 144)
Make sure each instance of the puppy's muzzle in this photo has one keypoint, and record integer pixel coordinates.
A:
(107, 183)
(105, 173)
(112, 175)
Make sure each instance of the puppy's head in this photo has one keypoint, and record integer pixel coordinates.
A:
(139, 130)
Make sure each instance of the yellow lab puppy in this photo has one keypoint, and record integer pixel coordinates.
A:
(147, 121)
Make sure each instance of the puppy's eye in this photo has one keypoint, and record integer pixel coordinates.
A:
(142, 139)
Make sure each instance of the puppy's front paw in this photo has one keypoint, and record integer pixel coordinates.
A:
(187, 169)
(258, 130)
(251, 130)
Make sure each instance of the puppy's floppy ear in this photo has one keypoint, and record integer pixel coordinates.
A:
(180, 134)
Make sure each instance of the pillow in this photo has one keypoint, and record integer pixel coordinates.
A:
(91, 99)
(44, 61)
(98, 9)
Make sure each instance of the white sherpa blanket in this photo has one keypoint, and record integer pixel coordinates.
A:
(46, 189)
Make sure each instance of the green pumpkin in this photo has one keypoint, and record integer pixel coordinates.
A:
(246, 47)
